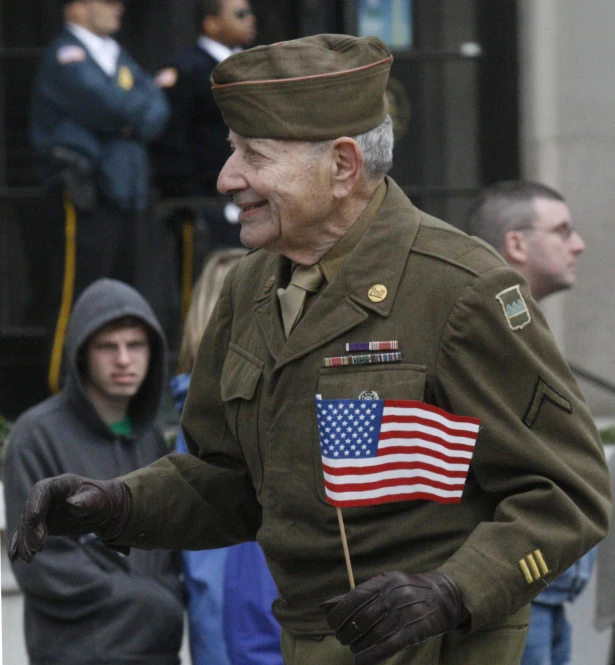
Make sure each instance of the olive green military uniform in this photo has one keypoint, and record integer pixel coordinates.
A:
(473, 342)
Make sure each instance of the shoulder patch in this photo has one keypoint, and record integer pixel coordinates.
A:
(71, 53)
(166, 78)
(515, 308)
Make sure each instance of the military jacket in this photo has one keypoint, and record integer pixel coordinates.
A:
(473, 342)
(107, 119)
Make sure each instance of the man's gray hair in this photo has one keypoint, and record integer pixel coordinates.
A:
(376, 145)
(506, 206)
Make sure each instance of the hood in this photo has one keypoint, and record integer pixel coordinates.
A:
(102, 302)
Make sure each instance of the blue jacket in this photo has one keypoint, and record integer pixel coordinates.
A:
(230, 592)
(569, 584)
(109, 120)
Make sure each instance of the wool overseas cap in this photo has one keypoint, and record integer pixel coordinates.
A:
(310, 89)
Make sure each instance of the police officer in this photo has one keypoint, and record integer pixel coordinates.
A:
(94, 110)
(344, 262)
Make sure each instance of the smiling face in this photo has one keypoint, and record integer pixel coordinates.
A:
(285, 192)
(117, 360)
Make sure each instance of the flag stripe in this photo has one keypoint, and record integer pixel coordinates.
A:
(445, 427)
(386, 483)
(389, 438)
(407, 407)
(349, 502)
(455, 471)
(376, 462)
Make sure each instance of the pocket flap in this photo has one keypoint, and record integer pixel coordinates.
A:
(240, 375)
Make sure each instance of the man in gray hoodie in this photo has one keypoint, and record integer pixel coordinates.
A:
(84, 603)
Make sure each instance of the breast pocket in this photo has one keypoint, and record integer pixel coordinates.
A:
(385, 381)
(240, 386)
(376, 382)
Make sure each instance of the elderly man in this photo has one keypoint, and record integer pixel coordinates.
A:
(343, 262)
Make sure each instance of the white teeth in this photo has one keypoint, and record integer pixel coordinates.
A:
(254, 205)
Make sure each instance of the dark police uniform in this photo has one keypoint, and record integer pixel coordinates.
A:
(537, 495)
(194, 146)
(91, 131)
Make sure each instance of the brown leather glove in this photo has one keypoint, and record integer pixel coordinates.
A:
(393, 611)
(69, 505)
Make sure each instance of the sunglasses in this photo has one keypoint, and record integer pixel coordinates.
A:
(243, 13)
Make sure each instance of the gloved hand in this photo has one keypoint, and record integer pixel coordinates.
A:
(69, 505)
(393, 611)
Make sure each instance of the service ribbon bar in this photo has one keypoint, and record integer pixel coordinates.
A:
(363, 359)
(373, 346)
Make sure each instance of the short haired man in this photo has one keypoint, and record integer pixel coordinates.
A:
(530, 224)
(342, 262)
(85, 604)
(94, 111)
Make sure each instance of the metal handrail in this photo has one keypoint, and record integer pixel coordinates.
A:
(592, 378)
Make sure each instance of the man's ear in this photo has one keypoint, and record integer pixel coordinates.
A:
(515, 249)
(347, 165)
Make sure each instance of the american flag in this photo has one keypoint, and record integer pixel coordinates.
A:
(378, 451)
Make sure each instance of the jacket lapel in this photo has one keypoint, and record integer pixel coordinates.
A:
(379, 259)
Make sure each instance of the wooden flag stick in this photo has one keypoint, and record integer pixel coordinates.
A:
(340, 519)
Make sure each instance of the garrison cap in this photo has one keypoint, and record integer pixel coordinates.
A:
(310, 89)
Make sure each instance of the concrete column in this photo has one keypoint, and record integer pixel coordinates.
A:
(568, 141)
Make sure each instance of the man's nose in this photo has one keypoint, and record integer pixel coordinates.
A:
(577, 244)
(123, 355)
(230, 178)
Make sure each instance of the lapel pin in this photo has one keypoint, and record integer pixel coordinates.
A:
(377, 293)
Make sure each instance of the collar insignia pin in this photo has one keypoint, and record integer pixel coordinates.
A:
(377, 293)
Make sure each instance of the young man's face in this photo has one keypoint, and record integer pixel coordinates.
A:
(235, 25)
(117, 362)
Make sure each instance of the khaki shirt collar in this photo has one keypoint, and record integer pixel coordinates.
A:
(332, 261)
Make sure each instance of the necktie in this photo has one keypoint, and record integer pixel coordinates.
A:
(305, 279)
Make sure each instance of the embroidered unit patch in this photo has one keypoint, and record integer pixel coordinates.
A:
(533, 566)
(515, 308)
